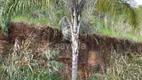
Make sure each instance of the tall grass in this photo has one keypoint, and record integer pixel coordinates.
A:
(50, 18)
(23, 64)
(122, 67)
(125, 68)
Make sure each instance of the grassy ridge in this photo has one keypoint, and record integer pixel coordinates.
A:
(101, 30)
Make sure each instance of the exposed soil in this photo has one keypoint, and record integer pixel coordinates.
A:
(95, 50)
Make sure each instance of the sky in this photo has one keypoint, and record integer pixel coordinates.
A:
(134, 3)
(139, 2)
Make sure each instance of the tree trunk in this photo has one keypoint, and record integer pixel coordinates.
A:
(75, 47)
(75, 7)
(74, 39)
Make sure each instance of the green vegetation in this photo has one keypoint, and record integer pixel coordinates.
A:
(125, 68)
(42, 21)
(22, 64)
(98, 26)
(110, 21)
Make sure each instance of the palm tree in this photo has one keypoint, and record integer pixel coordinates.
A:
(113, 7)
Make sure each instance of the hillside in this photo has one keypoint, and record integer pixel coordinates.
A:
(36, 41)
(97, 51)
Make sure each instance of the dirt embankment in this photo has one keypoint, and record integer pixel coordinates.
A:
(95, 50)
(4, 44)
(39, 35)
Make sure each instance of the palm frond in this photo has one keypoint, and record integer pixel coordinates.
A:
(12, 7)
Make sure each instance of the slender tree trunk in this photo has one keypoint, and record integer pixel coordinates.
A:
(75, 47)
(74, 33)
(75, 7)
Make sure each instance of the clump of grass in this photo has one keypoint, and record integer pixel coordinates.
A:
(42, 21)
(22, 64)
(47, 16)
(121, 67)
(125, 68)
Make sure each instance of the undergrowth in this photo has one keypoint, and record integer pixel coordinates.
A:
(23, 63)
(122, 67)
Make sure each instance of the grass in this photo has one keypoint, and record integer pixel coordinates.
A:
(125, 68)
(22, 64)
(101, 30)
(106, 31)
(42, 21)
(122, 68)
(25, 74)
